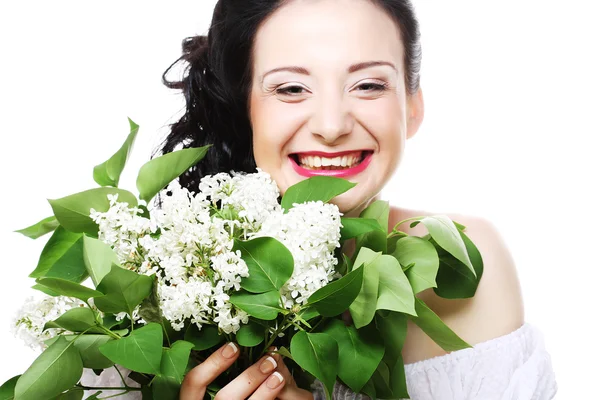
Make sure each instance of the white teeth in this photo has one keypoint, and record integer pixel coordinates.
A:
(314, 162)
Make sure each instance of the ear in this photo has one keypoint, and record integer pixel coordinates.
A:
(415, 113)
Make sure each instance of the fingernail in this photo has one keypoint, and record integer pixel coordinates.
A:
(229, 350)
(274, 380)
(268, 365)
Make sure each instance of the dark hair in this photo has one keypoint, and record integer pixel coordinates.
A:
(217, 83)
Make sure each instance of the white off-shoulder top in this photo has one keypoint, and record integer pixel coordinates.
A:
(515, 366)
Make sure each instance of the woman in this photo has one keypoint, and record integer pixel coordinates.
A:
(298, 87)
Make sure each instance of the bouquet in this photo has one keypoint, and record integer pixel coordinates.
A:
(150, 289)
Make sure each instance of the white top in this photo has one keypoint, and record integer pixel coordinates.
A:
(511, 367)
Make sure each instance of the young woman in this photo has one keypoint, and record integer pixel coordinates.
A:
(304, 87)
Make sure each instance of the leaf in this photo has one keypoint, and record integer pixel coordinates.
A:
(360, 352)
(377, 239)
(395, 292)
(270, 263)
(392, 327)
(172, 368)
(109, 172)
(335, 297)
(398, 379)
(262, 306)
(57, 369)
(444, 232)
(318, 354)
(315, 188)
(62, 257)
(73, 212)
(413, 249)
(352, 227)
(250, 334)
(204, 338)
(68, 288)
(454, 280)
(89, 349)
(141, 351)
(123, 290)
(98, 258)
(7, 390)
(44, 289)
(41, 228)
(76, 319)
(150, 308)
(364, 306)
(436, 329)
(157, 173)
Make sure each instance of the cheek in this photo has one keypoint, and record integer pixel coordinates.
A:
(384, 120)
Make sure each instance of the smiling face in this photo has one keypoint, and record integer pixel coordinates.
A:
(328, 77)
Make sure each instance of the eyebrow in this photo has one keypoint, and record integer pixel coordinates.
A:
(351, 69)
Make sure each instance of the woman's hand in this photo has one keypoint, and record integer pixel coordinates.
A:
(268, 379)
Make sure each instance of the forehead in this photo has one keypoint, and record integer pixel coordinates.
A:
(328, 31)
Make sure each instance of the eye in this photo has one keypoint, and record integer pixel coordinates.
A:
(290, 90)
(373, 87)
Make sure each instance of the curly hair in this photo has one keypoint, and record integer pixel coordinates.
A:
(216, 83)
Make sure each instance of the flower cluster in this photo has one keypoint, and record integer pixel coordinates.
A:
(188, 244)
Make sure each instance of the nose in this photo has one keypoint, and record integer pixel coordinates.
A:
(331, 118)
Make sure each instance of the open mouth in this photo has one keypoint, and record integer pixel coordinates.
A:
(346, 165)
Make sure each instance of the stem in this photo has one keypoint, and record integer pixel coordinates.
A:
(396, 233)
(317, 324)
(126, 389)
(109, 332)
(406, 220)
(121, 375)
(115, 395)
(162, 322)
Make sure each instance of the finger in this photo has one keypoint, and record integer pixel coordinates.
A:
(195, 382)
(248, 381)
(270, 388)
(290, 390)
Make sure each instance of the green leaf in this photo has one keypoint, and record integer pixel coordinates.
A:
(284, 352)
(76, 319)
(150, 308)
(41, 228)
(376, 239)
(392, 327)
(352, 227)
(7, 390)
(68, 288)
(89, 349)
(315, 188)
(262, 306)
(44, 289)
(156, 174)
(364, 306)
(70, 395)
(109, 172)
(250, 334)
(454, 280)
(270, 263)
(172, 369)
(123, 290)
(141, 351)
(447, 236)
(335, 297)
(436, 329)
(73, 212)
(413, 249)
(359, 353)
(398, 379)
(57, 369)
(395, 292)
(318, 354)
(204, 338)
(98, 258)
(62, 257)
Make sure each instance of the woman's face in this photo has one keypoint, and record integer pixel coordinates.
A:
(315, 88)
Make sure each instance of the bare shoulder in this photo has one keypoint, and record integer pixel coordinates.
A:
(497, 307)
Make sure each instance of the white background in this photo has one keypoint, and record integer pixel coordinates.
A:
(511, 134)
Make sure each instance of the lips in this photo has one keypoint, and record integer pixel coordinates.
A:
(341, 172)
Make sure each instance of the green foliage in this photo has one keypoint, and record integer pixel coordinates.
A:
(73, 211)
(57, 369)
(62, 257)
(123, 290)
(270, 263)
(395, 292)
(315, 188)
(67, 288)
(422, 254)
(172, 369)
(364, 306)
(7, 390)
(376, 240)
(41, 228)
(204, 338)
(98, 257)
(360, 352)
(250, 334)
(334, 298)
(436, 329)
(352, 227)
(262, 306)
(156, 174)
(109, 172)
(141, 351)
(318, 354)
(77, 319)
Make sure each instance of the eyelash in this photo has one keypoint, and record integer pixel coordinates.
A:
(378, 87)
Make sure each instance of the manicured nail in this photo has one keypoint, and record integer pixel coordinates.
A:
(268, 365)
(229, 350)
(274, 380)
